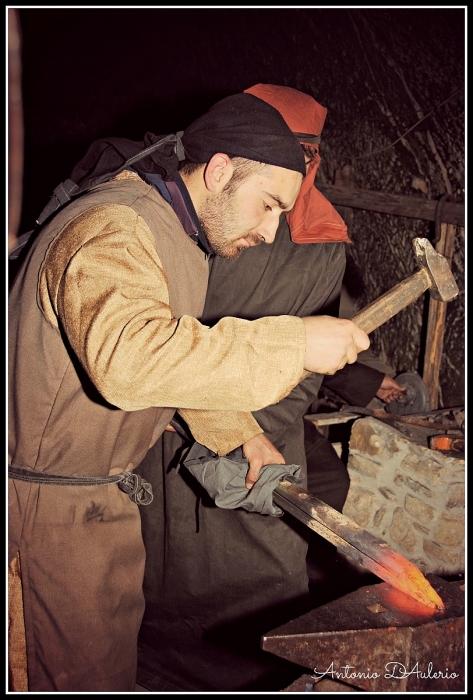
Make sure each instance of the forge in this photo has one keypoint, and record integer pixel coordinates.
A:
(377, 639)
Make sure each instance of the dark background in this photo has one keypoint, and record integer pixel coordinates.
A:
(90, 73)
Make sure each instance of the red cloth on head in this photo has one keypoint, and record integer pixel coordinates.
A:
(313, 219)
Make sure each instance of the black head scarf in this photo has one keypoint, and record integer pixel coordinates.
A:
(244, 126)
(241, 125)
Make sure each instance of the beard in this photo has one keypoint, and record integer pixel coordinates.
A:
(219, 217)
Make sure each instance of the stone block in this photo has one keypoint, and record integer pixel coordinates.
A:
(365, 439)
(410, 496)
(427, 468)
(443, 554)
(363, 466)
(404, 480)
(392, 446)
(387, 494)
(358, 505)
(401, 531)
(378, 516)
(419, 510)
(449, 530)
(456, 496)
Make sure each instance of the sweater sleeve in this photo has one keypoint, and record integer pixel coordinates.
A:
(221, 431)
(104, 286)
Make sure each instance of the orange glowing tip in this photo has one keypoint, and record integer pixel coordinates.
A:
(405, 576)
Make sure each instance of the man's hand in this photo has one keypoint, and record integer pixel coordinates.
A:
(390, 390)
(332, 343)
(259, 452)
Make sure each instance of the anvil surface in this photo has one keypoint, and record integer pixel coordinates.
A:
(379, 639)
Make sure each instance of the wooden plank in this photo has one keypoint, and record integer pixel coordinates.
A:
(333, 418)
(412, 207)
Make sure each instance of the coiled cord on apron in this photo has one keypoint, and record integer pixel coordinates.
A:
(137, 489)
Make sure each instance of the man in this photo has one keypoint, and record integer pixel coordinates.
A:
(215, 579)
(105, 342)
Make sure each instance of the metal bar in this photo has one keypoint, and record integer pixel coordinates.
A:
(370, 551)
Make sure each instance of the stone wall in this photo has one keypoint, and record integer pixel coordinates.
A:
(409, 495)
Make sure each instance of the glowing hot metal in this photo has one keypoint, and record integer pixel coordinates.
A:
(370, 551)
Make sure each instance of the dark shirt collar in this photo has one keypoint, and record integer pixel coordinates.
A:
(184, 208)
(176, 194)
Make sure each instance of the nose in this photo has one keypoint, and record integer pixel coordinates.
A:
(267, 231)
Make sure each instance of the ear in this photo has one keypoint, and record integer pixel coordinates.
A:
(218, 172)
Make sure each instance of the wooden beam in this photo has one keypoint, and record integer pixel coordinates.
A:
(436, 323)
(412, 207)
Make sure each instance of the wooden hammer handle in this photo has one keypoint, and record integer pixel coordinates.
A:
(393, 301)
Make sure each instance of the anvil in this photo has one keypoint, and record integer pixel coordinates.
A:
(381, 640)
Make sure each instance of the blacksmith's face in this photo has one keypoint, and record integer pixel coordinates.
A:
(235, 220)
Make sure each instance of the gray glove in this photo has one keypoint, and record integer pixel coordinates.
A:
(224, 479)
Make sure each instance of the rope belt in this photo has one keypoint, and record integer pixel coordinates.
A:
(139, 490)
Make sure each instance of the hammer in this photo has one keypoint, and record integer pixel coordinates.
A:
(434, 274)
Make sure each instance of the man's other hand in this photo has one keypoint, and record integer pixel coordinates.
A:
(259, 452)
(390, 390)
(332, 343)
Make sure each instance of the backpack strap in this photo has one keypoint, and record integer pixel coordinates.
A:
(68, 189)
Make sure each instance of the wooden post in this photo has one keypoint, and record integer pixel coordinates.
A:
(436, 323)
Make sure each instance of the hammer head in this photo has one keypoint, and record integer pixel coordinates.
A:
(443, 287)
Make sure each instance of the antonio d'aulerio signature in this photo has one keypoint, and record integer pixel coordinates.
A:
(393, 669)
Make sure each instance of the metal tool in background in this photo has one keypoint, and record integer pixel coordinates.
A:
(415, 400)
(447, 443)
(455, 417)
(366, 549)
(391, 418)
(449, 424)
